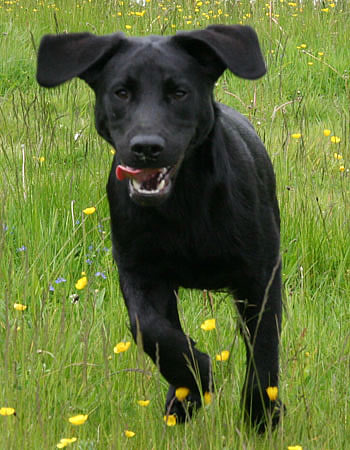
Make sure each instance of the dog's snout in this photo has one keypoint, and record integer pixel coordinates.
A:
(147, 147)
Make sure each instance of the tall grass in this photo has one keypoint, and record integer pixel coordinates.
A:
(57, 356)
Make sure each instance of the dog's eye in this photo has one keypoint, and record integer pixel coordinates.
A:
(179, 94)
(123, 94)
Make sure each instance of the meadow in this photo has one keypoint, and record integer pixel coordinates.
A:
(58, 337)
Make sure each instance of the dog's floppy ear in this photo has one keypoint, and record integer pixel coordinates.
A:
(218, 47)
(65, 56)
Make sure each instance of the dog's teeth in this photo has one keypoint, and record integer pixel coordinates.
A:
(136, 184)
(161, 185)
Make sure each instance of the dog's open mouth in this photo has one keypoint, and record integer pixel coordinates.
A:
(147, 183)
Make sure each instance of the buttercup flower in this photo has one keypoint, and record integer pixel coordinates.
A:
(64, 442)
(81, 283)
(4, 411)
(89, 211)
(295, 447)
(209, 324)
(341, 168)
(223, 356)
(80, 419)
(296, 135)
(143, 402)
(181, 393)
(20, 307)
(122, 347)
(129, 434)
(272, 392)
(170, 420)
(208, 398)
(326, 132)
(335, 139)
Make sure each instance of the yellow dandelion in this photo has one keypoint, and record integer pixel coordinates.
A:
(4, 411)
(170, 420)
(324, 9)
(113, 152)
(209, 324)
(41, 159)
(143, 402)
(20, 307)
(341, 168)
(208, 398)
(81, 283)
(128, 27)
(310, 63)
(295, 447)
(64, 442)
(326, 132)
(296, 135)
(129, 434)
(303, 45)
(122, 347)
(272, 392)
(89, 211)
(80, 419)
(181, 393)
(320, 54)
(337, 156)
(223, 356)
(335, 139)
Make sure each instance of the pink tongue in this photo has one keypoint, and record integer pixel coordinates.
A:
(123, 172)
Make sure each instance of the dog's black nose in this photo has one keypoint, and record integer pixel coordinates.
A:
(147, 146)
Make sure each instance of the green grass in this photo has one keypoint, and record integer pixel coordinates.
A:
(57, 356)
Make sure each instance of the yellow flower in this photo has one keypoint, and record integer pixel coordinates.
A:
(80, 419)
(337, 156)
(41, 159)
(128, 27)
(143, 402)
(170, 420)
(295, 447)
(20, 307)
(326, 132)
(7, 411)
(272, 392)
(89, 211)
(208, 398)
(181, 393)
(81, 283)
(129, 434)
(303, 46)
(324, 9)
(310, 63)
(66, 441)
(320, 53)
(209, 324)
(296, 135)
(122, 347)
(223, 356)
(341, 168)
(335, 139)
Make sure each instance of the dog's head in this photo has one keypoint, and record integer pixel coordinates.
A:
(153, 94)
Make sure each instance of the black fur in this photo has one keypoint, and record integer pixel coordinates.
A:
(215, 224)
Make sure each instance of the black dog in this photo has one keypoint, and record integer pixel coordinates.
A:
(191, 194)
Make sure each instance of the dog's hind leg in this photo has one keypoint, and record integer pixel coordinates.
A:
(152, 308)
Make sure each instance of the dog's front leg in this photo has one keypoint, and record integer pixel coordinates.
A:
(155, 324)
(261, 327)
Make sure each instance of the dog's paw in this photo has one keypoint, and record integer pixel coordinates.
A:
(182, 409)
(264, 413)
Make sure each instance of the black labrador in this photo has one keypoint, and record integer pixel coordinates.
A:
(191, 195)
